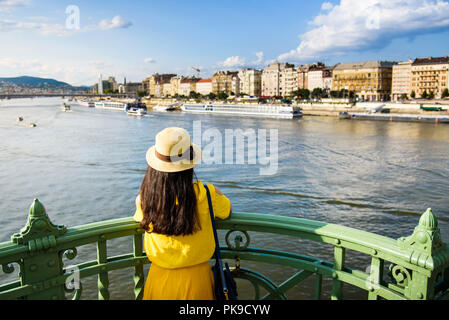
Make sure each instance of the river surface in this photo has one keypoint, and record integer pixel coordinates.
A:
(87, 166)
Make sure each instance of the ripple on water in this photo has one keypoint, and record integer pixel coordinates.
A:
(88, 165)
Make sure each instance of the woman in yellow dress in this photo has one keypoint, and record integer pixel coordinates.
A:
(174, 211)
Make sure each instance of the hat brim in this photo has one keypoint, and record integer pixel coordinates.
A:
(178, 166)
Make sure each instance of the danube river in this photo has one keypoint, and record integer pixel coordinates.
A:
(87, 166)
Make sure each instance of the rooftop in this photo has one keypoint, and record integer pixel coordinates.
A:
(431, 60)
(365, 65)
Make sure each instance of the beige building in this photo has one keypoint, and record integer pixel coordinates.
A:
(316, 76)
(288, 80)
(204, 86)
(401, 83)
(130, 88)
(279, 79)
(303, 76)
(175, 83)
(223, 81)
(153, 85)
(187, 85)
(370, 81)
(430, 75)
(250, 82)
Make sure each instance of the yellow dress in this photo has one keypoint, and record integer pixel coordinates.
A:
(180, 267)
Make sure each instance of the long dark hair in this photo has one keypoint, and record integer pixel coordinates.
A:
(158, 195)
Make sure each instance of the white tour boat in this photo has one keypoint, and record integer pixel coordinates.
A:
(171, 107)
(86, 103)
(112, 105)
(264, 110)
(136, 109)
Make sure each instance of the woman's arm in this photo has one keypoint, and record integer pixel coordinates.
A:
(218, 191)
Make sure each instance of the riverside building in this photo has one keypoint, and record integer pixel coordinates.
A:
(430, 75)
(223, 81)
(278, 79)
(204, 86)
(150, 84)
(401, 84)
(303, 76)
(250, 82)
(187, 85)
(370, 81)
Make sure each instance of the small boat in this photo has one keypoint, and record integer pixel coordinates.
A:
(168, 108)
(65, 107)
(32, 125)
(428, 108)
(136, 109)
(86, 103)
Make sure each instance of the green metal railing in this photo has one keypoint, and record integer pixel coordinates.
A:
(418, 264)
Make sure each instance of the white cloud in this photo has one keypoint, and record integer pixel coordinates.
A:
(75, 74)
(259, 60)
(237, 61)
(232, 62)
(42, 28)
(10, 5)
(363, 25)
(326, 6)
(149, 60)
(59, 29)
(115, 23)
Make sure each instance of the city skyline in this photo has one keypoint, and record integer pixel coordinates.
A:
(138, 38)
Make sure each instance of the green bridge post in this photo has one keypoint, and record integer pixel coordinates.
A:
(43, 263)
(424, 249)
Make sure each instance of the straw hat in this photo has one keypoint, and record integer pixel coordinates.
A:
(174, 151)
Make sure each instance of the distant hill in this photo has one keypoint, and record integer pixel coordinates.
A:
(34, 82)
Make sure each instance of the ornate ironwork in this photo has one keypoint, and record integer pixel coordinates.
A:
(419, 263)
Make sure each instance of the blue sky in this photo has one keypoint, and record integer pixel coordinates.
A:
(136, 38)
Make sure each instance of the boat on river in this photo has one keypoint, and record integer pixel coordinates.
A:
(395, 117)
(111, 105)
(167, 108)
(136, 109)
(66, 107)
(262, 110)
(86, 103)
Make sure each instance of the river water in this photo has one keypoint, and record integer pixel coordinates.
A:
(87, 166)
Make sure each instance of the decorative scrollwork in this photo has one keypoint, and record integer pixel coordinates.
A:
(241, 240)
(400, 275)
(8, 268)
(71, 253)
(258, 281)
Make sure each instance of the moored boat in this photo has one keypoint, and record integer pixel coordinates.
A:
(262, 110)
(167, 108)
(395, 117)
(111, 105)
(136, 109)
(86, 103)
